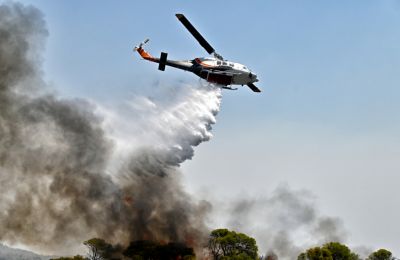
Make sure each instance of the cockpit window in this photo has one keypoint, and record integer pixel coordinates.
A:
(231, 64)
(244, 67)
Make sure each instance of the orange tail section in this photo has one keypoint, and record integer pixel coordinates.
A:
(145, 55)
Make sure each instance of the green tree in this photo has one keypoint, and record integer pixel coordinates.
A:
(316, 253)
(332, 250)
(381, 254)
(302, 256)
(340, 251)
(225, 244)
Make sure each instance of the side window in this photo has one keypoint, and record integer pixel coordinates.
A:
(225, 63)
(218, 62)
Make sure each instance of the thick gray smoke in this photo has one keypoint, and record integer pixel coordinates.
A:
(285, 222)
(71, 170)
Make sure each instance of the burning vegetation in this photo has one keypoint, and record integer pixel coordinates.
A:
(223, 244)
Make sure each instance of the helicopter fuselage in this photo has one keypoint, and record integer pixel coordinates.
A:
(213, 70)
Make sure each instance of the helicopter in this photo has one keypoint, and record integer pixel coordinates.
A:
(214, 69)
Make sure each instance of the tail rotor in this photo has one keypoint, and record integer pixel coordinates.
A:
(141, 44)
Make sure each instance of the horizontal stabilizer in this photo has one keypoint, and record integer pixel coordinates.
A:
(163, 61)
(253, 87)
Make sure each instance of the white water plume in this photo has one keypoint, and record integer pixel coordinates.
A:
(175, 119)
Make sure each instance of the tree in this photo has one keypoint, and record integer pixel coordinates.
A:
(381, 254)
(316, 253)
(145, 250)
(174, 251)
(331, 251)
(225, 244)
(340, 251)
(141, 249)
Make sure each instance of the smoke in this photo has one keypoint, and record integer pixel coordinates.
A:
(285, 222)
(71, 169)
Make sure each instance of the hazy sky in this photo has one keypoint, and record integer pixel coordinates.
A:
(327, 121)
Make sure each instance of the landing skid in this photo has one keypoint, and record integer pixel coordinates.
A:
(208, 84)
(225, 87)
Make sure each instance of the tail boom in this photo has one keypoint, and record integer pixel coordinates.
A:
(163, 61)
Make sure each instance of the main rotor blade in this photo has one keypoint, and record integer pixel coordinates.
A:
(195, 33)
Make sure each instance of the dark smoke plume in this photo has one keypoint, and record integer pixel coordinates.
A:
(67, 176)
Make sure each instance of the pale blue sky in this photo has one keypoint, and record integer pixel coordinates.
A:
(327, 119)
(340, 57)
